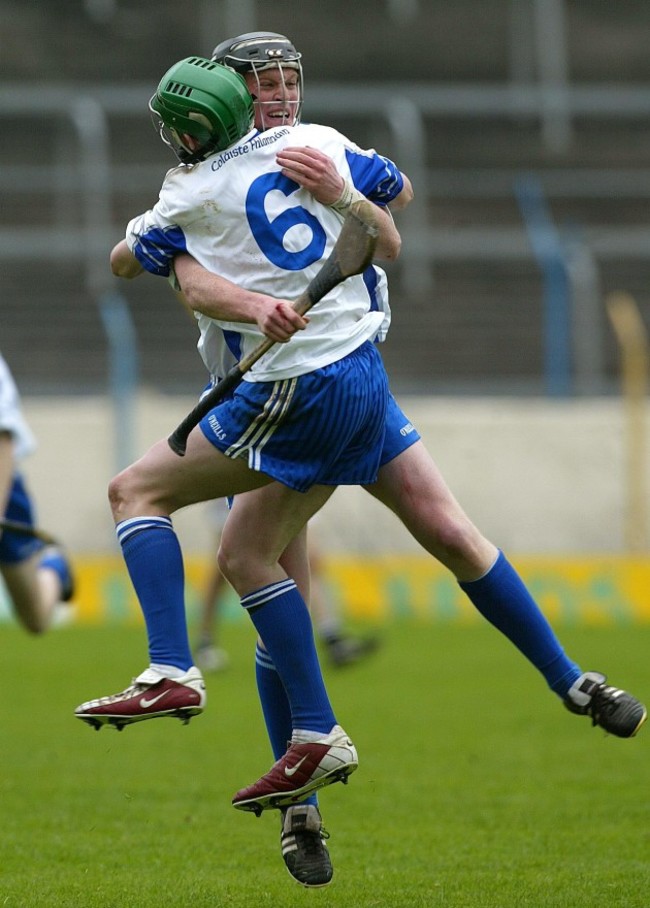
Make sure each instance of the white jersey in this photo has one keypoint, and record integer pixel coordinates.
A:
(242, 219)
(11, 416)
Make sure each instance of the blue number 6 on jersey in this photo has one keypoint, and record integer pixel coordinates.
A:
(269, 235)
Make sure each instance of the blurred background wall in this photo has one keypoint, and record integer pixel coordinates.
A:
(536, 476)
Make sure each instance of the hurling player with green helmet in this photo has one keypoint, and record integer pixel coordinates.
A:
(308, 416)
(305, 170)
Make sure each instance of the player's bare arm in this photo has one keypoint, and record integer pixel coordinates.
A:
(405, 196)
(216, 297)
(317, 173)
(123, 262)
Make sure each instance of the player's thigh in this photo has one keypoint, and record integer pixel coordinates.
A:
(414, 488)
(412, 482)
(250, 554)
(266, 521)
(163, 481)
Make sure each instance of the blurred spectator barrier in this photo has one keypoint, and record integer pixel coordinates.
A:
(632, 337)
(90, 171)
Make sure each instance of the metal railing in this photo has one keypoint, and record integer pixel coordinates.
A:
(403, 108)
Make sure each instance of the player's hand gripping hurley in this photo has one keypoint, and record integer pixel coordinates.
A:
(352, 254)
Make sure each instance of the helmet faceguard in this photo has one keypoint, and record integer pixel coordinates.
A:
(257, 52)
(201, 107)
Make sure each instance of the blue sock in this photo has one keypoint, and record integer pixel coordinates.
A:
(501, 597)
(275, 707)
(155, 564)
(282, 620)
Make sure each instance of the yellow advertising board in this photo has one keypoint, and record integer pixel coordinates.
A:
(597, 590)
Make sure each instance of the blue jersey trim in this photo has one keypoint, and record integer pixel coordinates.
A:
(378, 178)
(155, 249)
(233, 342)
(370, 280)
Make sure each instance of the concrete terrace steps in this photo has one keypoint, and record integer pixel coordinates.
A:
(483, 320)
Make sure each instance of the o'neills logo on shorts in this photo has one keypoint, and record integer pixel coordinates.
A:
(215, 425)
(407, 429)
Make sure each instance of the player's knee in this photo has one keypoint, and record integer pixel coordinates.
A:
(241, 566)
(229, 562)
(115, 494)
(122, 494)
(456, 537)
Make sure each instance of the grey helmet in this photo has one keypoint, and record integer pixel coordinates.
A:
(258, 51)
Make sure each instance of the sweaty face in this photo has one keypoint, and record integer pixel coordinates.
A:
(276, 93)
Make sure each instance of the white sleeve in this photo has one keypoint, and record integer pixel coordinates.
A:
(11, 416)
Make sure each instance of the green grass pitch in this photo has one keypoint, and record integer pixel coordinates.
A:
(476, 789)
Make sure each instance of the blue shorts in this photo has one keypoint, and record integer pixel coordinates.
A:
(400, 433)
(15, 547)
(325, 427)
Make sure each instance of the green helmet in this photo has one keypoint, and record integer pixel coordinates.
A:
(201, 107)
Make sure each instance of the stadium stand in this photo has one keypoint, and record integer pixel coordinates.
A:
(475, 321)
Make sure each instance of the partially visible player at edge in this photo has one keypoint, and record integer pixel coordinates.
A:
(310, 414)
(37, 577)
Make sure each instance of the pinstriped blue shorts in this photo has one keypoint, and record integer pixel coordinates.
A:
(16, 547)
(325, 427)
(400, 432)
